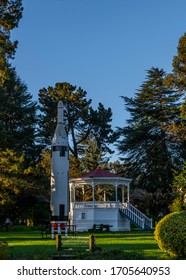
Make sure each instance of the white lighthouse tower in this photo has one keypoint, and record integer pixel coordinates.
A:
(59, 203)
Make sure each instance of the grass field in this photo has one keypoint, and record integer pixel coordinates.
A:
(27, 245)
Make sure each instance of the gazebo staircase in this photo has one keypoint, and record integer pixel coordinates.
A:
(135, 216)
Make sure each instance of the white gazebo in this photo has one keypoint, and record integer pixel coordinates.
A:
(96, 198)
(102, 198)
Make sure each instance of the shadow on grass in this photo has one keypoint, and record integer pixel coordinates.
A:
(131, 235)
(32, 252)
(122, 245)
(131, 247)
(17, 236)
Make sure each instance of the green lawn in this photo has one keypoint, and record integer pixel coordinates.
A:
(120, 245)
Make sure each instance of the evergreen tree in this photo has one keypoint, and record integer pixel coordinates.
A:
(81, 119)
(178, 126)
(17, 115)
(177, 79)
(118, 168)
(10, 14)
(92, 156)
(17, 110)
(179, 187)
(21, 185)
(24, 190)
(75, 169)
(101, 129)
(150, 152)
(154, 204)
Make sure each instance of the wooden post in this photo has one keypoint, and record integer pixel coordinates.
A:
(92, 244)
(58, 242)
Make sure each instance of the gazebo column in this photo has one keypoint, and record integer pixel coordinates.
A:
(83, 192)
(93, 198)
(104, 195)
(74, 194)
(116, 190)
(128, 193)
(71, 190)
(123, 194)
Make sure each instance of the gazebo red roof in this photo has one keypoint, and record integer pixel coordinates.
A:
(98, 172)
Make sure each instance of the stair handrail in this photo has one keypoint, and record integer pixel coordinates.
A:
(133, 216)
(143, 219)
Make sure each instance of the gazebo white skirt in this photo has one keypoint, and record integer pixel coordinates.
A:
(87, 214)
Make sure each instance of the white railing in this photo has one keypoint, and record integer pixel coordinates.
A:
(131, 212)
(136, 216)
(96, 204)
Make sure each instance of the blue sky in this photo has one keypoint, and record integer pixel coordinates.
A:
(103, 46)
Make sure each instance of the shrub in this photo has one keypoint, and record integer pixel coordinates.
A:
(3, 250)
(177, 205)
(170, 234)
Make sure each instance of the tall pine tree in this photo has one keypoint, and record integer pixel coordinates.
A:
(17, 110)
(10, 15)
(148, 150)
(17, 116)
(81, 119)
(177, 79)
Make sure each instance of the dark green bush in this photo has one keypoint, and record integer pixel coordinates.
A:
(25, 228)
(3, 250)
(170, 234)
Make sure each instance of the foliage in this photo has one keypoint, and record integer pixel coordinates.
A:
(23, 190)
(154, 204)
(18, 148)
(74, 166)
(17, 116)
(10, 14)
(176, 205)
(92, 156)
(179, 183)
(118, 168)
(170, 234)
(178, 127)
(11, 180)
(179, 187)
(81, 119)
(3, 250)
(44, 164)
(177, 79)
(147, 149)
(90, 159)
